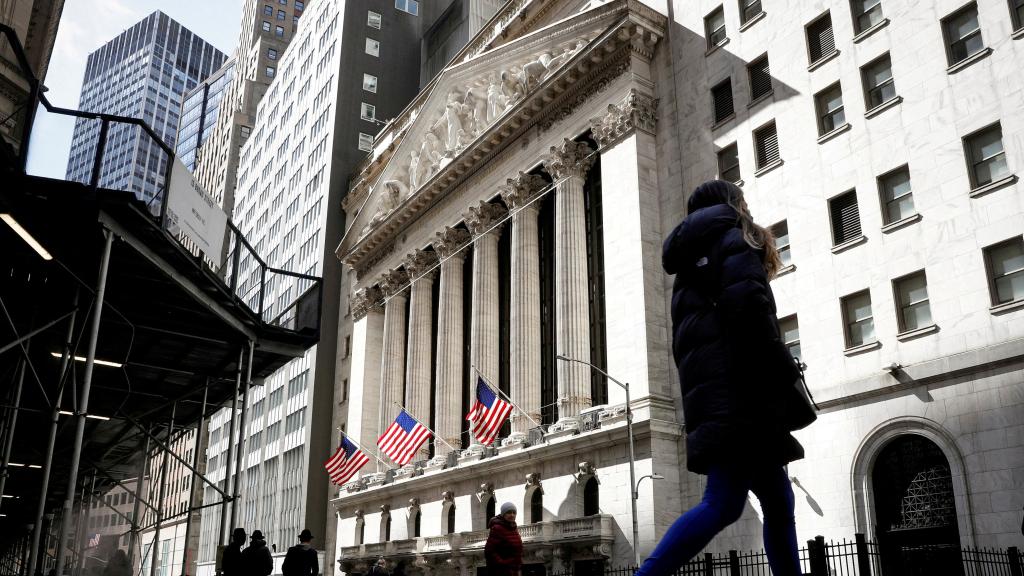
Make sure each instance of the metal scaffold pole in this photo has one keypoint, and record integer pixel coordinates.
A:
(200, 430)
(231, 438)
(240, 462)
(133, 538)
(163, 490)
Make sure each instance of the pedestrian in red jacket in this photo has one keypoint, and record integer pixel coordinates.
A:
(504, 548)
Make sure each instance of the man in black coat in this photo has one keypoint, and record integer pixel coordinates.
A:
(231, 561)
(256, 559)
(301, 558)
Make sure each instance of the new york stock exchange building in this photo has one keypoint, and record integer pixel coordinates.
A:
(514, 214)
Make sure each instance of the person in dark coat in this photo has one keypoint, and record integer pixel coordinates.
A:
(231, 560)
(256, 559)
(504, 548)
(733, 369)
(301, 558)
(380, 568)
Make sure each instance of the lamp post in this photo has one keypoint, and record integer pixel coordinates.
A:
(632, 457)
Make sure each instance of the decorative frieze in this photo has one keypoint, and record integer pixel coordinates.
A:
(570, 158)
(367, 300)
(638, 111)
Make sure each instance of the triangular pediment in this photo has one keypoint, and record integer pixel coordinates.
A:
(469, 102)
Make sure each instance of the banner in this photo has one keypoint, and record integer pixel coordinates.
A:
(196, 214)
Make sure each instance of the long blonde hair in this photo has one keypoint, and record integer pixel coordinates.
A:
(756, 236)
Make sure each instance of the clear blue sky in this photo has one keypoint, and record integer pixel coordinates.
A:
(88, 24)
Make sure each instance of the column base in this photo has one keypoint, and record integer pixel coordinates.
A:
(516, 441)
(563, 428)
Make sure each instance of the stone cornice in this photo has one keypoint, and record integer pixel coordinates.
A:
(570, 158)
(480, 219)
(522, 189)
(365, 301)
(450, 241)
(638, 111)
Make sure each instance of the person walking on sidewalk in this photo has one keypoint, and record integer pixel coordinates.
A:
(231, 560)
(504, 548)
(256, 559)
(734, 371)
(301, 558)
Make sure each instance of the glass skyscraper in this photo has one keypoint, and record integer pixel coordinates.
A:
(143, 73)
(199, 113)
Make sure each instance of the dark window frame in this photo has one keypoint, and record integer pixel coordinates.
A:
(951, 45)
(848, 323)
(902, 306)
(858, 25)
(747, 10)
(723, 106)
(763, 162)
(790, 344)
(722, 171)
(990, 273)
(787, 249)
(869, 91)
(825, 117)
(753, 77)
(840, 239)
(710, 33)
(1017, 14)
(972, 166)
(884, 201)
(811, 43)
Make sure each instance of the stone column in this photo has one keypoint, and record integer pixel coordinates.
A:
(568, 164)
(484, 337)
(364, 377)
(395, 287)
(524, 372)
(448, 415)
(418, 370)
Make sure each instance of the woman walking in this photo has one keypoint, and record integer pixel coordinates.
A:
(504, 548)
(734, 371)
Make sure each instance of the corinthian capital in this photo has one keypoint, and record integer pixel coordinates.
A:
(570, 158)
(394, 282)
(419, 262)
(520, 190)
(637, 111)
(450, 240)
(481, 218)
(366, 300)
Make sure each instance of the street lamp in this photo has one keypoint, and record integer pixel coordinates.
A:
(653, 477)
(632, 458)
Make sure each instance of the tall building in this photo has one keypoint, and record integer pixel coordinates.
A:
(109, 523)
(487, 237)
(143, 73)
(172, 481)
(35, 24)
(199, 113)
(350, 67)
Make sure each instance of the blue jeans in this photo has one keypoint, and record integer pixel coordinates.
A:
(724, 499)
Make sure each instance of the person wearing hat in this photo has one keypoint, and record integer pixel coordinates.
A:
(301, 558)
(231, 561)
(256, 559)
(504, 548)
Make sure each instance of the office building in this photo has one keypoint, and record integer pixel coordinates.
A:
(486, 237)
(109, 523)
(143, 73)
(199, 113)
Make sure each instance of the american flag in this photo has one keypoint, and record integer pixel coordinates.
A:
(488, 413)
(346, 461)
(403, 438)
(94, 541)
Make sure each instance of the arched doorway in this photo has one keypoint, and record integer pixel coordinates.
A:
(591, 498)
(915, 508)
(536, 506)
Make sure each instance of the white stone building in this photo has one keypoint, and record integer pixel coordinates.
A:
(879, 139)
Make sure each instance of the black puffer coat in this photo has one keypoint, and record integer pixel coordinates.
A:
(732, 363)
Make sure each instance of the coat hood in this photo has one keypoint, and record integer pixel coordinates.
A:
(692, 236)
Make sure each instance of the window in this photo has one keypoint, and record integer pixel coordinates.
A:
(866, 13)
(766, 146)
(372, 47)
(789, 331)
(858, 322)
(280, 14)
(270, 71)
(749, 9)
(879, 86)
(266, 26)
(781, 233)
(714, 28)
(845, 218)
(1017, 13)
(300, 5)
(271, 54)
(729, 164)
(373, 20)
(278, 31)
(365, 142)
(245, 131)
(760, 78)
(268, 10)
(986, 157)
(913, 311)
(897, 199)
(829, 103)
(1005, 263)
(370, 83)
(367, 112)
(963, 34)
(410, 6)
(820, 42)
(721, 100)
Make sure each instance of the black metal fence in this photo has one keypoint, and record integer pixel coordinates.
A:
(856, 557)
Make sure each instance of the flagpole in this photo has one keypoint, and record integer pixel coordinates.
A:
(498, 390)
(360, 446)
(418, 421)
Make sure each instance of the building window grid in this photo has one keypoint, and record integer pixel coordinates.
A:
(911, 296)
(866, 13)
(963, 34)
(897, 195)
(714, 28)
(749, 9)
(820, 40)
(858, 320)
(879, 85)
(729, 163)
(986, 155)
(1004, 263)
(831, 112)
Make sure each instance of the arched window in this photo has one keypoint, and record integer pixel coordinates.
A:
(416, 524)
(489, 510)
(591, 498)
(451, 519)
(537, 506)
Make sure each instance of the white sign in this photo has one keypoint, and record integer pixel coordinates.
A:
(196, 213)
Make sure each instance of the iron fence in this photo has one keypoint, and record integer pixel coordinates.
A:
(857, 557)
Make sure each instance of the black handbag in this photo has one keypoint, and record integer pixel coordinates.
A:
(800, 408)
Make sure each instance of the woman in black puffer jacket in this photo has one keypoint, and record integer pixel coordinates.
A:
(733, 369)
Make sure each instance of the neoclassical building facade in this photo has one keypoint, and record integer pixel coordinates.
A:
(513, 216)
